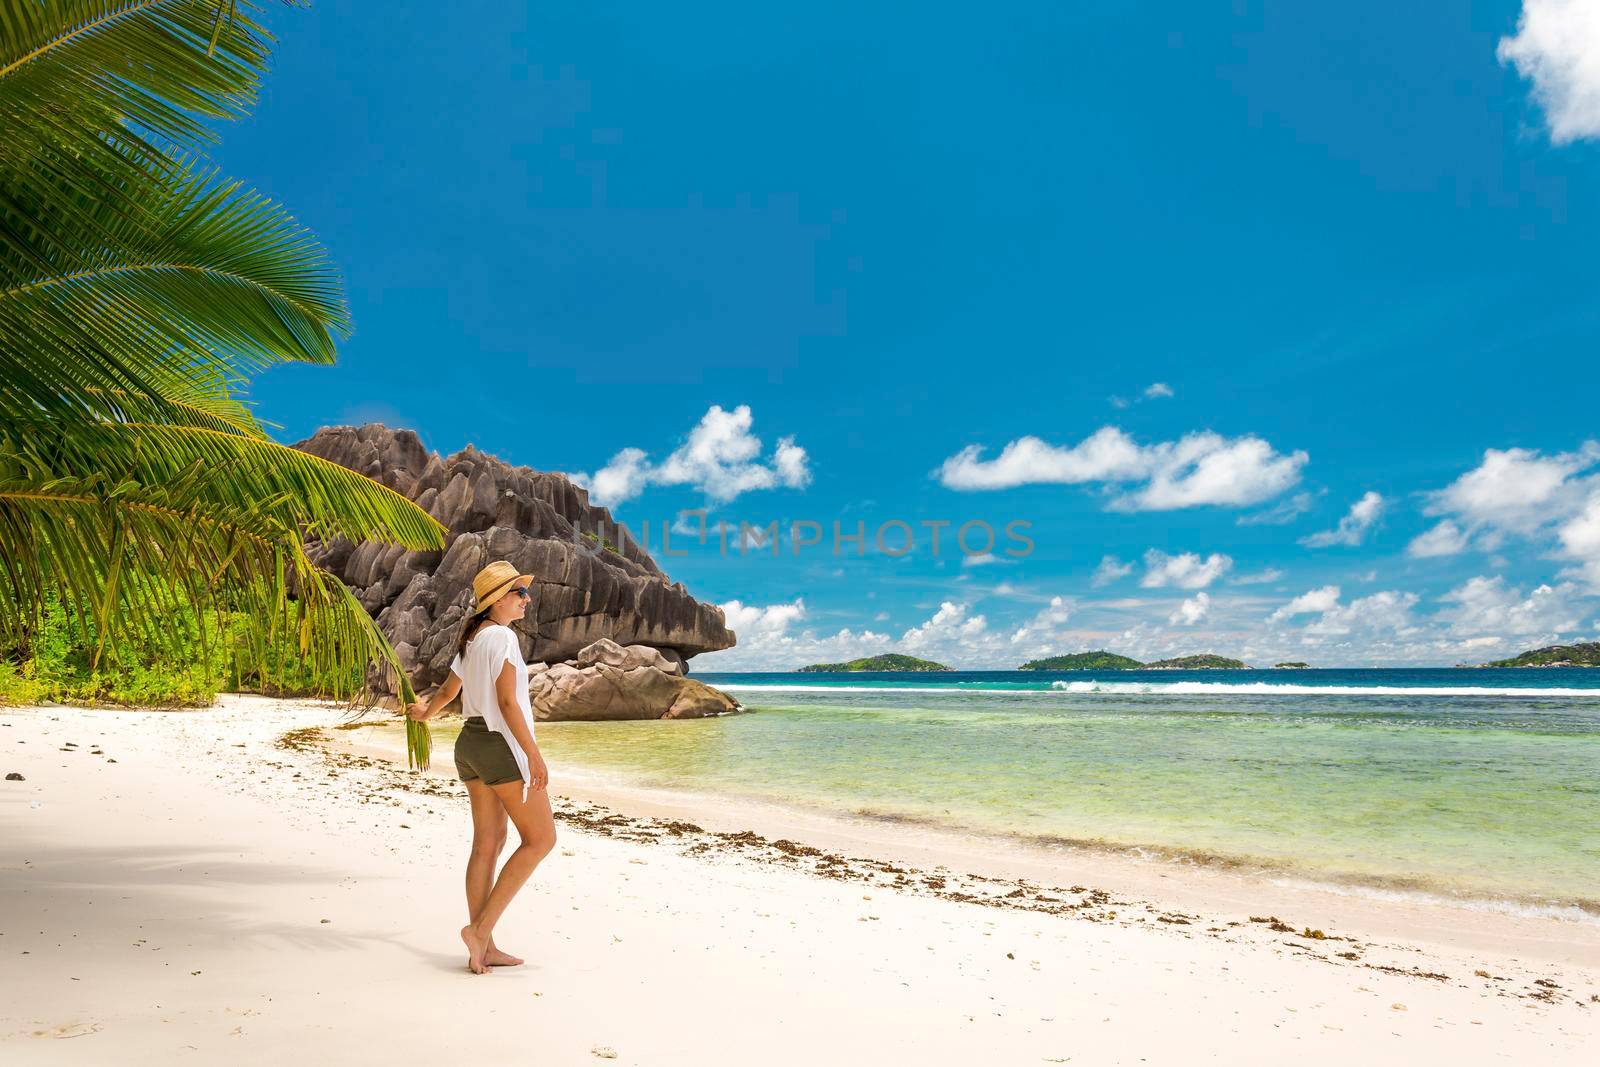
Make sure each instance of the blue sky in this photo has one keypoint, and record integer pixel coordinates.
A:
(832, 264)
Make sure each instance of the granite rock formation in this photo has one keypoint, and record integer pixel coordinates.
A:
(595, 589)
(609, 681)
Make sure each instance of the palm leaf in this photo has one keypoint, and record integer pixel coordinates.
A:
(293, 490)
(72, 69)
(185, 278)
(138, 291)
(118, 553)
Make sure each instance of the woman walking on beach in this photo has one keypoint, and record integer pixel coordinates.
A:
(496, 756)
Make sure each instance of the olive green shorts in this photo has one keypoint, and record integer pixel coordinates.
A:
(485, 754)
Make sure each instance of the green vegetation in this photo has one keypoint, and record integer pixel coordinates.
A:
(139, 290)
(890, 661)
(1083, 661)
(59, 667)
(1203, 662)
(1586, 654)
(599, 542)
(1291, 666)
(1110, 661)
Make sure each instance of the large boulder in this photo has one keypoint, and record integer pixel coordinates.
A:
(614, 655)
(592, 582)
(609, 681)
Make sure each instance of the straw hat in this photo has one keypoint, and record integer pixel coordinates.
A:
(494, 582)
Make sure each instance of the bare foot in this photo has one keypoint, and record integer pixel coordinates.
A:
(496, 957)
(476, 948)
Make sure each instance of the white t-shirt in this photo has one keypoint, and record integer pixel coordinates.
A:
(490, 649)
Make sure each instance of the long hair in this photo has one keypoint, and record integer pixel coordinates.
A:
(469, 630)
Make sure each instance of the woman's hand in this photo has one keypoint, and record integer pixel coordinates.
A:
(540, 774)
(440, 699)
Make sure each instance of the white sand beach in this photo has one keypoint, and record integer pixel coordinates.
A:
(248, 883)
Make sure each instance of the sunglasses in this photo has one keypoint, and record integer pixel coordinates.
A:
(522, 591)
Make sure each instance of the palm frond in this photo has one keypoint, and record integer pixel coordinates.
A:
(278, 487)
(76, 68)
(138, 291)
(182, 275)
(118, 554)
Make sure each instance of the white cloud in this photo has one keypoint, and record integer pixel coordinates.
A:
(1191, 611)
(1186, 571)
(1279, 514)
(951, 621)
(1049, 619)
(1108, 454)
(1580, 540)
(1197, 470)
(1352, 529)
(1386, 612)
(694, 523)
(1445, 539)
(744, 619)
(1153, 391)
(1206, 468)
(1481, 619)
(1385, 628)
(1315, 601)
(1580, 535)
(772, 637)
(1111, 568)
(1271, 574)
(790, 463)
(720, 458)
(1557, 48)
(983, 559)
(1490, 606)
(1517, 492)
(622, 479)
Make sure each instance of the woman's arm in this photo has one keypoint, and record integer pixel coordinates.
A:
(505, 688)
(436, 703)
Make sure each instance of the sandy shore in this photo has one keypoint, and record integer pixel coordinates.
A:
(248, 881)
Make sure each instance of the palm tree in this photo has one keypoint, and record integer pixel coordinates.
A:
(138, 291)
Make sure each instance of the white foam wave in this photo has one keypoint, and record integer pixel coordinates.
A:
(1177, 689)
(1566, 911)
(1270, 689)
(757, 687)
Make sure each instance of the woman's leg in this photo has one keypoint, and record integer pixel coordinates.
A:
(537, 826)
(488, 841)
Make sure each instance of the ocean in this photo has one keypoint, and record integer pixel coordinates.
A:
(1474, 784)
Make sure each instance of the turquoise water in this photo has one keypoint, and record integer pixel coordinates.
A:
(1471, 783)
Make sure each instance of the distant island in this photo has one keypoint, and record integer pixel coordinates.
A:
(1295, 666)
(890, 661)
(1110, 661)
(1586, 654)
(1206, 661)
(1083, 661)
